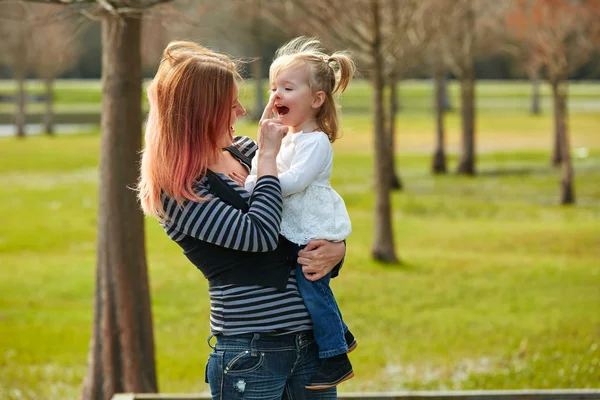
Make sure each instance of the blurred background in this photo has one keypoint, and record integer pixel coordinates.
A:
(469, 162)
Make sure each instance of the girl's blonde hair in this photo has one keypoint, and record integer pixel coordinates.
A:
(328, 73)
(190, 99)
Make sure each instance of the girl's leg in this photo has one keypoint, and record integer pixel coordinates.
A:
(328, 326)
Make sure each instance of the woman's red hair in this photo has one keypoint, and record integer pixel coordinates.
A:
(190, 109)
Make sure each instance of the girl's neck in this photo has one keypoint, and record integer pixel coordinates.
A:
(310, 125)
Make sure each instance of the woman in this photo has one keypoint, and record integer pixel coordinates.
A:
(192, 167)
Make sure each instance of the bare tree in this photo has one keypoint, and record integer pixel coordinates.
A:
(154, 38)
(457, 46)
(452, 27)
(405, 29)
(533, 72)
(55, 48)
(437, 13)
(562, 35)
(356, 25)
(166, 22)
(251, 28)
(15, 28)
(464, 29)
(438, 162)
(121, 356)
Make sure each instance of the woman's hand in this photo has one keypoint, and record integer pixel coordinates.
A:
(319, 257)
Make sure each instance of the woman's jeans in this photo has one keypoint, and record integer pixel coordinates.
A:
(259, 366)
(328, 325)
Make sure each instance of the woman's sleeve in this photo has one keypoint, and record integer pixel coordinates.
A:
(246, 146)
(311, 156)
(217, 222)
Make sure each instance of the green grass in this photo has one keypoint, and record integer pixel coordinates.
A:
(500, 96)
(498, 288)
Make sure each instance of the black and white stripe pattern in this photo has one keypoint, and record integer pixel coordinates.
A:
(217, 222)
(250, 309)
(242, 309)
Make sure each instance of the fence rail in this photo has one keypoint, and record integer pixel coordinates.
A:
(553, 394)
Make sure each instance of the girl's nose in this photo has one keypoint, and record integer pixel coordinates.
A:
(242, 111)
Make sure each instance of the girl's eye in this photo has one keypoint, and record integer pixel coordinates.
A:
(288, 89)
(273, 89)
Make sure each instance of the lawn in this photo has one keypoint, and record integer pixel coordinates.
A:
(498, 286)
(76, 96)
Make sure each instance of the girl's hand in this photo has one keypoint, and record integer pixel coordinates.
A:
(270, 132)
(319, 257)
(237, 178)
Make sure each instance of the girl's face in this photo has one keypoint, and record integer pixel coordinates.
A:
(237, 110)
(296, 105)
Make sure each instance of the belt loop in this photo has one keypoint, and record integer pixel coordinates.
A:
(208, 341)
(253, 348)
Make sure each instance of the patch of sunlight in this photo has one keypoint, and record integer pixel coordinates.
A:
(37, 180)
(402, 375)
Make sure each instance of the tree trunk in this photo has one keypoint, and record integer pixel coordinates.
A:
(466, 165)
(396, 182)
(557, 154)
(20, 73)
(383, 246)
(535, 92)
(559, 93)
(49, 114)
(121, 357)
(21, 104)
(397, 107)
(438, 165)
(257, 64)
(447, 104)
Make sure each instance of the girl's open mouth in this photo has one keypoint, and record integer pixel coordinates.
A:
(282, 110)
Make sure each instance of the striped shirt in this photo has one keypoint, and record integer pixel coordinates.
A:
(237, 309)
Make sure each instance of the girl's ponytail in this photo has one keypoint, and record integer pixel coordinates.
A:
(345, 70)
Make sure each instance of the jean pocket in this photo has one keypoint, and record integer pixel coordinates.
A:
(242, 362)
(214, 368)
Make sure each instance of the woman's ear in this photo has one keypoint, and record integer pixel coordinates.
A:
(318, 99)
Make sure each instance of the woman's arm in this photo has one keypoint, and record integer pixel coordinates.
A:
(320, 257)
(217, 222)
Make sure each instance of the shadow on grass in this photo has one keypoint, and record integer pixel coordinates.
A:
(516, 171)
(402, 266)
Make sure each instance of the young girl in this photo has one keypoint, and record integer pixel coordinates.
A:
(303, 81)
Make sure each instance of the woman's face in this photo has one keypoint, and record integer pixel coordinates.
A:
(237, 110)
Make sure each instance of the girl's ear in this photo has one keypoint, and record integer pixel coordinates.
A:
(318, 99)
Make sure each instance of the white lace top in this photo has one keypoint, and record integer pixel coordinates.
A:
(311, 208)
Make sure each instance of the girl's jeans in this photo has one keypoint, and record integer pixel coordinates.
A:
(328, 325)
(259, 366)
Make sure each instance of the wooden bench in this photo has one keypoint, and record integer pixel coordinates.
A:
(551, 394)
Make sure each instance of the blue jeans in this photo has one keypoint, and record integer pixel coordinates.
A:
(259, 366)
(328, 325)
